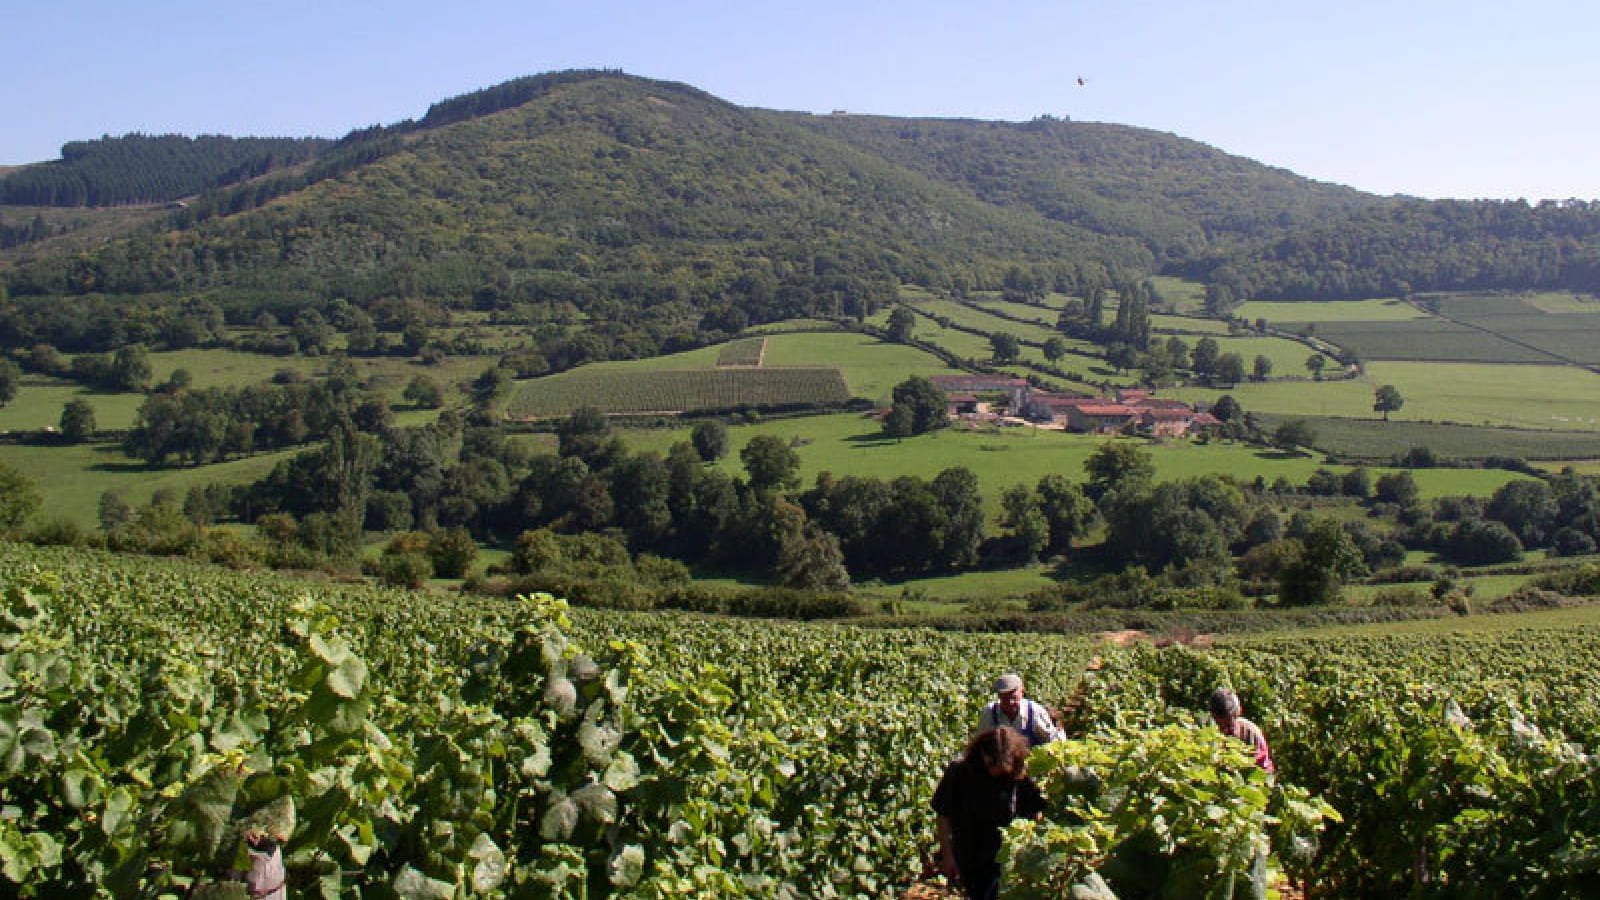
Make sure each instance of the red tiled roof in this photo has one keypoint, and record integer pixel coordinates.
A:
(1064, 402)
(1169, 415)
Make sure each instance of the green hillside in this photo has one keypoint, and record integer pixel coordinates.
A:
(640, 212)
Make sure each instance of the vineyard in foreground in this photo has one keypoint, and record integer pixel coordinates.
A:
(430, 747)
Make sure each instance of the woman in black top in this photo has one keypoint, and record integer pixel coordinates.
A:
(979, 794)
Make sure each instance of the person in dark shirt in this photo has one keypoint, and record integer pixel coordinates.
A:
(979, 794)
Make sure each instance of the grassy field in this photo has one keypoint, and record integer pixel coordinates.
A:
(1181, 294)
(1507, 396)
(1288, 357)
(848, 444)
(72, 478)
(39, 401)
(1161, 323)
(1559, 397)
(666, 391)
(871, 367)
(1287, 311)
(1376, 439)
(1562, 302)
(968, 317)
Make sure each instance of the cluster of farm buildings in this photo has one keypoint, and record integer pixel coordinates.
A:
(1128, 409)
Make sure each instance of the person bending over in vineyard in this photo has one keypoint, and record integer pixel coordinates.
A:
(979, 794)
(1011, 709)
(1225, 711)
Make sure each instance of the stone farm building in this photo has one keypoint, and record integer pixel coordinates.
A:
(1132, 408)
(1129, 409)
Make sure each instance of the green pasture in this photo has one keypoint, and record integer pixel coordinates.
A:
(1043, 316)
(39, 400)
(1581, 466)
(1288, 357)
(1161, 323)
(961, 343)
(669, 391)
(968, 317)
(73, 477)
(1563, 398)
(1281, 312)
(1558, 302)
(1181, 294)
(871, 367)
(1293, 397)
(1373, 438)
(1587, 616)
(1479, 306)
(850, 444)
(1556, 397)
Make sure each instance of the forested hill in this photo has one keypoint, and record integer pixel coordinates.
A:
(1419, 245)
(139, 168)
(639, 215)
(1180, 198)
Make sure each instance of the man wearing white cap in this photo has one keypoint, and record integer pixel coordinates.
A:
(1011, 709)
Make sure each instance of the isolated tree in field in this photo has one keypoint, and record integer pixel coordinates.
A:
(10, 378)
(1067, 511)
(1203, 358)
(130, 368)
(424, 392)
(77, 420)
(19, 499)
(1294, 433)
(1395, 487)
(710, 440)
(1054, 349)
(1315, 363)
(1116, 464)
(1328, 558)
(1005, 346)
(770, 462)
(1262, 368)
(1388, 400)
(901, 321)
(1230, 369)
(918, 407)
(1122, 356)
(1030, 532)
(1220, 299)
(1095, 306)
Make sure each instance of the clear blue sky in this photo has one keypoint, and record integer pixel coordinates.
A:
(1423, 97)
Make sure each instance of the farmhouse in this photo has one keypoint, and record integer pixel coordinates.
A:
(1156, 416)
(1014, 389)
(1100, 418)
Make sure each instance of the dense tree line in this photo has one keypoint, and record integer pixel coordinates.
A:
(202, 426)
(138, 168)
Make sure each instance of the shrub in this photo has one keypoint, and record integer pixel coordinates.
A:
(408, 570)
